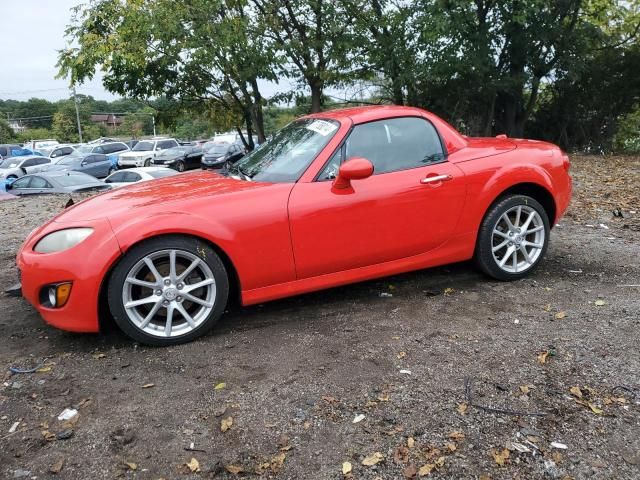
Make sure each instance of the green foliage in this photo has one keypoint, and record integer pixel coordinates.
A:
(627, 138)
(7, 135)
(33, 134)
(558, 70)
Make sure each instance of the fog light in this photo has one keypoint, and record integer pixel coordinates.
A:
(56, 295)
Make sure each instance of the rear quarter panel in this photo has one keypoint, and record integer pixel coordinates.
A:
(488, 177)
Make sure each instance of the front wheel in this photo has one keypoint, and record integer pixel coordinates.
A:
(180, 166)
(147, 162)
(513, 238)
(168, 290)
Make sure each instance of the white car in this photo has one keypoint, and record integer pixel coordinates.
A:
(145, 151)
(122, 178)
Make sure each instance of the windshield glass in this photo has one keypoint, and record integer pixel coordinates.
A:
(162, 173)
(174, 151)
(84, 148)
(215, 149)
(69, 160)
(287, 155)
(10, 163)
(75, 179)
(143, 147)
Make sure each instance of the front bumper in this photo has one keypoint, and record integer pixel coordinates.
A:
(85, 265)
(131, 162)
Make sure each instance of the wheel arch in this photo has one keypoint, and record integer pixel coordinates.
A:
(533, 190)
(105, 320)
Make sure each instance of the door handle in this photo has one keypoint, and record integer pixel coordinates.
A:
(437, 178)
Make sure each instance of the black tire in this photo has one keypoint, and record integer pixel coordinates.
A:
(180, 166)
(138, 252)
(147, 162)
(484, 257)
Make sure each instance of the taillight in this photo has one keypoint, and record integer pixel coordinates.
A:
(566, 163)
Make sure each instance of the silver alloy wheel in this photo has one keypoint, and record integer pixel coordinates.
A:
(518, 239)
(169, 293)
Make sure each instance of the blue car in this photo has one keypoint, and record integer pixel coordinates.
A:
(95, 164)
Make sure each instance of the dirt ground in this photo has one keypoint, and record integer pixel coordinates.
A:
(292, 377)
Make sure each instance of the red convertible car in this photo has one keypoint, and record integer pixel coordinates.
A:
(333, 198)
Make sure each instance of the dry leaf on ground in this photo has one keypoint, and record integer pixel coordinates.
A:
(456, 435)
(462, 408)
(542, 357)
(346, 468)
(500, 456)
(372, 459)
(235, 469)
(576, 392)
(193, 465)
(225, 424)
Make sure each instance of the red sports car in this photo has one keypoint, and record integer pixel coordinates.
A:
(333, 198)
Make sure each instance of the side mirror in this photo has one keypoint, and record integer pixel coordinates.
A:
(356, 168)
(83, 164)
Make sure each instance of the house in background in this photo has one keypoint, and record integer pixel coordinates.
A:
(107, 119)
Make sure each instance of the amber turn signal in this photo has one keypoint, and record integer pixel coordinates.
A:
(57, 295)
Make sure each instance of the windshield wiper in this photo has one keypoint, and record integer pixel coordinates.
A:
(240, 172)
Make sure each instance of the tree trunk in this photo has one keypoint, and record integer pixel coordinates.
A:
(316, 95)
(258, 118)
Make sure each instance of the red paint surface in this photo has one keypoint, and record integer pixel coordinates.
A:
(291, 238)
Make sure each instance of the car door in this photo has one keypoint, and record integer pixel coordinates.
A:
(20, 186)
(38, 185)
(409, 206)
(89, 165)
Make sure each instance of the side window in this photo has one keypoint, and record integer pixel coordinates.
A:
(3, 151)
(132, 177)
(21, 182)
(98, 149)
(117, 177)
(67, 151)
(42, 161)
(39, 182)
(29, 163)
(99, 158)
(330, 171)
(395, 144)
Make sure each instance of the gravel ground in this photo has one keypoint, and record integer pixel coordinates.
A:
(288, 379)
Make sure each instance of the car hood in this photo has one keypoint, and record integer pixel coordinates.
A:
(178, 193)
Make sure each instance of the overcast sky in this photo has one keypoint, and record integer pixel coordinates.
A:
(32, 33)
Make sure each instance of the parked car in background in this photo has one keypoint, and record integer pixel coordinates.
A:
(6, 148)
(62, 151)
(104, 148)
(145, 151)
(132, 143)
(94, 164)
(16, 167)
(56, 182)
(43, 143)
(180, 158)
(129, 176)
(218, 155)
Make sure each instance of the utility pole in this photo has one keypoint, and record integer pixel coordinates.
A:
(75, 102)
(153, 119)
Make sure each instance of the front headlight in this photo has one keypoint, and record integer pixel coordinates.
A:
(62, 240)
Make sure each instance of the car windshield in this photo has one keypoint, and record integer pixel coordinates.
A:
(69, 160)
(216, 149)
(143, 147)
(165, 172)
(74, 179)
(174, 151)
(10, 163)
(84, 148)
(287, 155)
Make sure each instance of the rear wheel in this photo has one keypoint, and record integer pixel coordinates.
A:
(168, 290)
(513, 238)
(147, 162)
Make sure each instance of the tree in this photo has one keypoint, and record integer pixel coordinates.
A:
(316, 41)
(193, 51)
(7, 134)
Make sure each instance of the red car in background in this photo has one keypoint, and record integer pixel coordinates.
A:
(333, 198)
